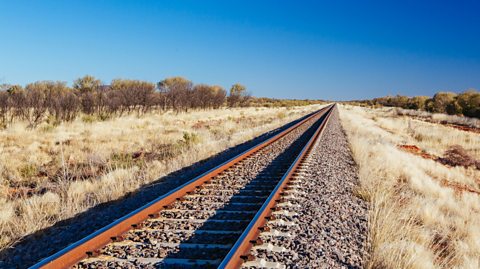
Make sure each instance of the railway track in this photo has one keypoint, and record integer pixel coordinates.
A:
(211, 221)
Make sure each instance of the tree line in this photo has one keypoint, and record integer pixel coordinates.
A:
(273, 102)
(55, 102)
(466, 103)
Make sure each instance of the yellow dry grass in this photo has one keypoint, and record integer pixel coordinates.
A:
(52, 173)
(416, 221)
(432, 137)
(435, 117)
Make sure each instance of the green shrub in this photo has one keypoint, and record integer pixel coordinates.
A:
(52, 120)
(88, 118)
(466, 103)
(46, 128)
(453, 108)
(103, 116)
(190, 139)
(122, 159)
(281, 115)
(28, 170)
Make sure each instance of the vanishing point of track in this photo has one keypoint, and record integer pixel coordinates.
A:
(211, 221)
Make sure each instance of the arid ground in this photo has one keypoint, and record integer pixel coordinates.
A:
(52, 173)
(417, 174)
(422, 181)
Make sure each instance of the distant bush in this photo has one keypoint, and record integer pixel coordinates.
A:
(466, 103)
(180, 94)
(54, 102)
(271, 102)
(238, 96)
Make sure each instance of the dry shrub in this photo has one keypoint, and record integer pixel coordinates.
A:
(161, 152)
(457, 156)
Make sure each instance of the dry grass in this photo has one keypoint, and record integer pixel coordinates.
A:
(423, 214)
(432, 137)
(53, 173)
(436, 117)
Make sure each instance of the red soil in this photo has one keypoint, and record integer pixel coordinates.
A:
(417, 151)
(457, 187)
(461, 127)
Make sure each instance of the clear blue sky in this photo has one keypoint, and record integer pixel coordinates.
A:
(283, 49)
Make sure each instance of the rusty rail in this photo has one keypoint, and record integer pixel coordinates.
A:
(239, 252)
(90, 244)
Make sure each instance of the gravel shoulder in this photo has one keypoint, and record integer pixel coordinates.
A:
(330, 230)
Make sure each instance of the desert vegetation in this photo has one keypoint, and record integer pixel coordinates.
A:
(272, 102)
(459, 122)
(49, 103)
(53, 102)
(466, 103)
(55, 171)
(422, 181)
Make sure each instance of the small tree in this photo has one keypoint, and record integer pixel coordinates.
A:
(134, 94)
(86, 84)
(469, 101)
(17, 102)
(9, 107)
(87, 88)
(144, 95)
(177, 91)
(441, 100)
(238, 96)
(202, 96)
(417, 102)
(399, 101)
(219, 96)
(4, 108)
(36, 102)
(453, 108)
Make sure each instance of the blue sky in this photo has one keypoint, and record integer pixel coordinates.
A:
(284, 49)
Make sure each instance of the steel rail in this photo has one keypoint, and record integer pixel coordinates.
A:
(87, 246)
(239, 252)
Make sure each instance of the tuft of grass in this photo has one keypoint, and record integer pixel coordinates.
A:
(281, 115)
(28, 170)
(88, 118)
(52, 120)
(46, 128)
(190, 139)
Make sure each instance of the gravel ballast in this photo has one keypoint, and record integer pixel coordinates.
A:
(50, 240)
(216, 202)
(322, 224)
(330, 230)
